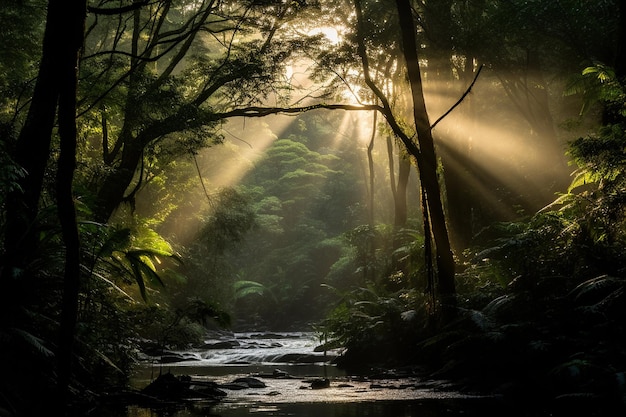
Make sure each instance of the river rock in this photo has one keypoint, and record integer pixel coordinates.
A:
(269, 336)
(234, 386)
(320, 383)
(276, 374)
(168, 387)
(250, 382)
(301, 358)
(225, 344)
(173, 357)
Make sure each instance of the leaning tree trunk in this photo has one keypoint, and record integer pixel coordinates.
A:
(427, 165)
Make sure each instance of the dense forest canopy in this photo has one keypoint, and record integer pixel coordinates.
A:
(379, 171)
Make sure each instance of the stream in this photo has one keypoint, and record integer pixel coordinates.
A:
(287, 364)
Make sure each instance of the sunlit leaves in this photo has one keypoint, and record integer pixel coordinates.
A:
(604, 155)
(246, 288)
(602, 73)
(597, 84)
(132, 256)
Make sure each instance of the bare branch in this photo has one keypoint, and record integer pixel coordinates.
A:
(460, 99)
(117, 10)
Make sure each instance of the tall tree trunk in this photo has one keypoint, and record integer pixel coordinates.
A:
(56, 85)
(74, 21)
(424, 154)
(427, 165)
(32, 153)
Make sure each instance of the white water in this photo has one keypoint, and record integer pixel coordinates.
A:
(254, 353)
(249, 349)
(260, 348)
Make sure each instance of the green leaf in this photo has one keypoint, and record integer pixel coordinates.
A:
(582, 177)
(244, 288)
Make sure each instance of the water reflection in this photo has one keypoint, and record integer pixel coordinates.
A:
(425, 408)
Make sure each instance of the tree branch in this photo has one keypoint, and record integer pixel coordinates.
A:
(459, 100)
(117, 10)
(266, 111)
(386, 109)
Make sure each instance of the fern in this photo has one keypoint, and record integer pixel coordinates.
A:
(32, 341)
(590, 291)
(245, 288)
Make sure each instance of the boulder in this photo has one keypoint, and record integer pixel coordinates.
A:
(225, 344)
(250, 382)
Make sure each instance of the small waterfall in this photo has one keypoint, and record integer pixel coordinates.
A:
(253, 349)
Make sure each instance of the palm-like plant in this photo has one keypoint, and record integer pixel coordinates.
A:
(129, 258)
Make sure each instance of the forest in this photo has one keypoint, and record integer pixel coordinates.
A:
(430, 184)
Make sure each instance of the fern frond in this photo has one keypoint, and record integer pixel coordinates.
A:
(590, 291)
(33, 342)
(581, 178)
(244, 288)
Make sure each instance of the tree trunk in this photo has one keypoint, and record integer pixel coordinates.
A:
(111, 193)
(73, 20)
(370, 162)
(400, 203)
(427, 165)
(32, 153)
(56, 85)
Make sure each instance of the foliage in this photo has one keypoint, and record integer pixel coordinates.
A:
(300, 190)
(129, 255)
(209, 265)
(19, 53)
(546, 293)
(383, 311)
(10, 172)
(368, 321)
(231, 218)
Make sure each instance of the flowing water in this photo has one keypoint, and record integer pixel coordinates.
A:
(287, 364)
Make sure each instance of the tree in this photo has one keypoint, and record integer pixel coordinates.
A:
(427, 162)
(54, 95)
(423, 153)
(73, 23)
(184, 69)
